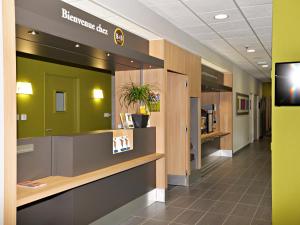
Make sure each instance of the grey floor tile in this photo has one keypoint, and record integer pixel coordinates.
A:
(212, 219)
(134, 221)
(244, 210)
(256, 190)
(151, 210)
(193, 192)
(222, 207)
(237, 188)
(244, 181)
(212, 195)
(237, 220)
(204, 186)
(189, 217)
(251, 199)
(183, 202)
(202, 204)
(155, 222)
(261, 222)
(167, 214)
(231, 197)
(221, 187)
(264, 213)
(266, 202)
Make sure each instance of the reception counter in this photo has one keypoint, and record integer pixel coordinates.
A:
(84, 180)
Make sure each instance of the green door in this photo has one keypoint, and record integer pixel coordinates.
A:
(61, 109)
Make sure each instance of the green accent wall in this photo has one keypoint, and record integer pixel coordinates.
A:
(91, 111)
(286, 120)
(267, 89)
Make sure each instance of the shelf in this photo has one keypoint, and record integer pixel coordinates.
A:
(58, 184)
(213, 135)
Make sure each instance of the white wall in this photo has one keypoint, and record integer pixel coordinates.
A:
(245, 84)
(1, 122)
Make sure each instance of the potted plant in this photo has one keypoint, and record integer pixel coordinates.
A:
(137, 97)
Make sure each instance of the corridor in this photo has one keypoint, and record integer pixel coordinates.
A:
(237, 193)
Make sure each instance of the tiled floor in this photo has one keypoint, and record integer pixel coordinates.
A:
(236, 193)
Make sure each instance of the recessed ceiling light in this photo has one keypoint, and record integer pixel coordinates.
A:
(77, 45)
(265, 66)
(33, 32)
(250, 50)
(131, 61)
(221, 16)
(261, 63)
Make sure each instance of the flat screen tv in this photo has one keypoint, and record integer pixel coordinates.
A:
(287, 84)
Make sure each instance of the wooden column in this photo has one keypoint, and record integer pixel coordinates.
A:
(10, 127)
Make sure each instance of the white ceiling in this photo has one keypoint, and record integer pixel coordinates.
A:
(249, 25)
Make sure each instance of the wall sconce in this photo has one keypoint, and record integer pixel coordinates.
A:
(24, 88)
(98, 94)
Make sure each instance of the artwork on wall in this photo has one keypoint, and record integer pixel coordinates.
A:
(242, 104)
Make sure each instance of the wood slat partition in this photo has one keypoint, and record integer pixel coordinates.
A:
(157, 79)
(9, 81)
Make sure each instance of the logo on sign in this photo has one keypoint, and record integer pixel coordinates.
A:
(119, 37)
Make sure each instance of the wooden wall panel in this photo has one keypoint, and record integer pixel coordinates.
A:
(226, 114)
(10, 132)
(193, 70)
(122, 78)
(228, 79)
(157, 48)
(157, 78)
(175, 58)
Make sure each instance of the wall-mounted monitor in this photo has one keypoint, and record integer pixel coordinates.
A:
(287, 84)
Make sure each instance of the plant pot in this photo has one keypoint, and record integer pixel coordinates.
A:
(140, 120)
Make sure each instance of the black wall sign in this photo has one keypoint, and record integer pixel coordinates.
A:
(63, 20)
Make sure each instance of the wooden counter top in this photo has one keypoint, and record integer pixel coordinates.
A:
(213, 135)
(58, 184)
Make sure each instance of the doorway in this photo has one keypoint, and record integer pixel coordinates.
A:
(61, 107)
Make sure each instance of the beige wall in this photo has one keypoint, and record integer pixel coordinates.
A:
(245, 84)
(1, 122)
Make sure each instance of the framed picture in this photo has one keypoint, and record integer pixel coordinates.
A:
(242, 104)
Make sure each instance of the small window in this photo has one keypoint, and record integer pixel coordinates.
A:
(60, 101)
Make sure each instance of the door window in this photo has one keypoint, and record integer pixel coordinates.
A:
(60, 101)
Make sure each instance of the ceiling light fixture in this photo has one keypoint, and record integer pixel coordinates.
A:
(77, 45)
(265, 66)
(131, 61)
(33, 32)
(221, 16)
(250, 50)
(108, 54)
(261, 63)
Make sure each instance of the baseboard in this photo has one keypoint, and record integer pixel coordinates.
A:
(123, 213)
(223, 153)
(180, 180)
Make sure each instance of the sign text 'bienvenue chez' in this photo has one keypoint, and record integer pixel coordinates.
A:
(68, 16)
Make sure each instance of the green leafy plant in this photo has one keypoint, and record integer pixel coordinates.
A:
(133, 95)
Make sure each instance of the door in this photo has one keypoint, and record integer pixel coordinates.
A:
(60, 105)
(258, 120)
(255, 118)
(178, 154)
(251, 119)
